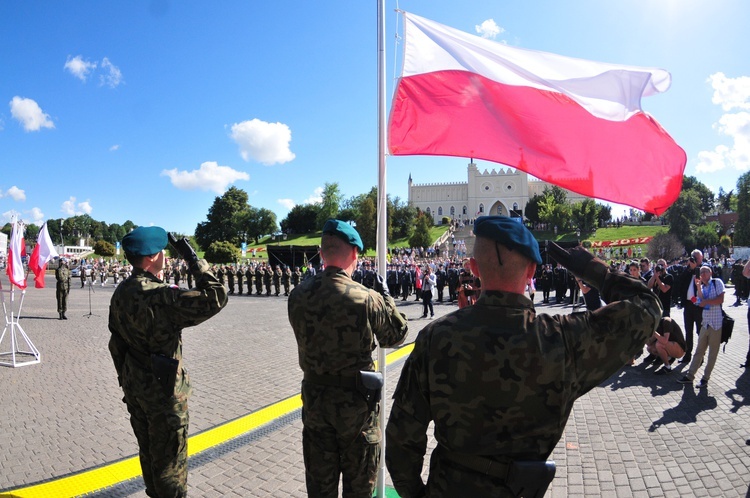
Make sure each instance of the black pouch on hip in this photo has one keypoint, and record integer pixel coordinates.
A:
(369, 385)
(165, 371)
(530, 479)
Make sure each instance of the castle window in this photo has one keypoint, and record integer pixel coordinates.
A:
(427, 210)
(453, 211)
(440, 210)
(481, 208)
(464, 210)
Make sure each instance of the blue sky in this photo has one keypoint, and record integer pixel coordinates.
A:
(146, 111)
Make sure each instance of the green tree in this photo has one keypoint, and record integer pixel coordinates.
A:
(221, 252)
(219, 224)
(665, 245)
(104, 248)
(685, 210)
(724, 201)
(32, 232)
(366, 223)
(532, 208)
(554, 213)
(742, 227)
(604, 215)
(707, 235)
(329, 207)
(421, 235)
(585, 214)
(302, 218)
(402, 217)
(256, 222)
(704, 193)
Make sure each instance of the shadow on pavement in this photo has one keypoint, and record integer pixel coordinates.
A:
(686, 412)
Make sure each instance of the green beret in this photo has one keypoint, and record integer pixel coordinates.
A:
(344, 231)
(511, 233)
(144, 241)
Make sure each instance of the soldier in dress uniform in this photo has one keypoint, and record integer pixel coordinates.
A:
(337, 322)
(442, 278)
(146, 318)
(496, 426)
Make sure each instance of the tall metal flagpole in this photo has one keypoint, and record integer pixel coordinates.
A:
(382, 225)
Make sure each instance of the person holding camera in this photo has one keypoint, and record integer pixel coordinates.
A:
(146, 318)
(661, 283)
(336, 323)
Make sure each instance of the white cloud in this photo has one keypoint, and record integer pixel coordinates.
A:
(14, 193)
(29, 114)
(210, 176)
(730, 94)
(70, 207)
(287, 203)
(267, 143)
(36, 216)
(112, 76)
(489, 29)
(11, 215)
(114, 147)
(79, 67)
(316, 198)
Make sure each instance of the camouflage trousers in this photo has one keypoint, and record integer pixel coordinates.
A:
(340, 436)
(161, 428)
(62, 299)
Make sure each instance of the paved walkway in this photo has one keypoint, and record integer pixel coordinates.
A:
(635, 435)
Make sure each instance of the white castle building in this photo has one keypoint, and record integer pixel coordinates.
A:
(504, 192)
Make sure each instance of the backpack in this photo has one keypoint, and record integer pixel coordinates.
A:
(727, 326)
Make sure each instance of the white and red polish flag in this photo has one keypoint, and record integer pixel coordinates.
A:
(572, 122)
(40, 256)
(16, 250)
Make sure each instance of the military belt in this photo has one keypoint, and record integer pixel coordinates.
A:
(477, 463)
(346, 381)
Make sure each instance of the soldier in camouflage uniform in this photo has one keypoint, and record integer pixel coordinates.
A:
(230, 279)
(296, 276)
(499, 380)
(267, 277)
(277, 280)
(259, 279)
(146, 318)
(240, 274)
(286, 279)
(62, 276)
(336, 322)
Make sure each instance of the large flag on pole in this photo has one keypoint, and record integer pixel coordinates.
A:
(572, 122)
(40, 256)
(16, 250)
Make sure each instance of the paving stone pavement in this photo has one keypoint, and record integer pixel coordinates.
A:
(637, 434)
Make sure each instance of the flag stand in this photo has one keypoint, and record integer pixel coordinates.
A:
(14, 355)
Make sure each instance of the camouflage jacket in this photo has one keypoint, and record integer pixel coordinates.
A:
(146, 316)
(336, 321)
(498, 380)
(62, 275)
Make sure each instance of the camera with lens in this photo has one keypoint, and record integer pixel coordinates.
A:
(660, 268)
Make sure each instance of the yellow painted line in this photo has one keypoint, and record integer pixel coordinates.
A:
(108, 475)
